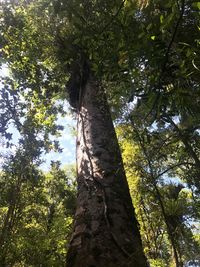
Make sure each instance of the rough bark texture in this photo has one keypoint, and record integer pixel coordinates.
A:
(105, 229)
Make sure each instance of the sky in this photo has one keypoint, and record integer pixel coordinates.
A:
(67, 140)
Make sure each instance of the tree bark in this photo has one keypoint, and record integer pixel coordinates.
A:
(106, 231)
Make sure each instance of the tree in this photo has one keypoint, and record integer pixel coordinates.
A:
(105, 230)
(164, 204)
(36, 214)
(35, 208)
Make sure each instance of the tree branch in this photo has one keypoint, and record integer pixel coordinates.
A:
(173, 36)
(112, 19)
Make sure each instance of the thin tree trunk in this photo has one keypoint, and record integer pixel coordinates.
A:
(159, 197)
(169, 230)
(105, 229)
(9, 222)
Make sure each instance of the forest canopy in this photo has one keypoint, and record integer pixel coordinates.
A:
(145, 54)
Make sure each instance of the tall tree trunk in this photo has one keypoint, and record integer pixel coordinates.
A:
(105, 229)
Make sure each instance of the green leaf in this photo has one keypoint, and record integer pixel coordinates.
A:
(161, 19)
(149, 26)
(196, 5)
